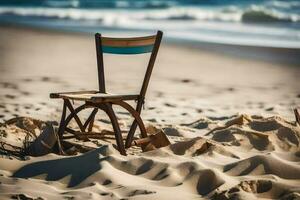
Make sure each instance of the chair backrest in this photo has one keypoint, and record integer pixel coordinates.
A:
(127, 46)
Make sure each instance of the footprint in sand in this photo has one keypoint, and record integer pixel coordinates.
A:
(9, 85)
(211, 110)
(27, 80)
(170, 105)
(269, 109)
(140, 192)
(186, 80)
(50, 79)
(25, 93)
(123, 113)
(45, 79)
(104, 193)
(10, 96)
(231, 89)
(107, 182)
(199, 110)
(104, 121)
(28, 106)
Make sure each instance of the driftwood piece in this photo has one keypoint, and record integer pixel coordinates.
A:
(44, 143)
(153, 141)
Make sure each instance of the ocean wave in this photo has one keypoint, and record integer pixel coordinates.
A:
(262, 15)
(227, 15)
(62, 4)
(189, 13)
(253, 14)
(109, 4)
(284, 4)
(95, 14)
(148, 5)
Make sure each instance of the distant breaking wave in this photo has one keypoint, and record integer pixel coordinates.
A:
(229, 14)
(258, 15)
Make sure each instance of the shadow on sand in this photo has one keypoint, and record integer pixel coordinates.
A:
(77, 167)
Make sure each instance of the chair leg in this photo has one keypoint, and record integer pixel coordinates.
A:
(72, 114)
(70, 107)
(89, 123)
(130, 135)
(137, 122)
(61, 128)
(111, 114)
(66, 119)
(133, 127)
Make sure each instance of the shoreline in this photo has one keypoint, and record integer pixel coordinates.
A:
(288, 56)
(282, 55)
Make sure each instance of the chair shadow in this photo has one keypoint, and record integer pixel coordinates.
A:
(77, 167)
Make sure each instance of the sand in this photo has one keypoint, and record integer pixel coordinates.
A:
(229, 119)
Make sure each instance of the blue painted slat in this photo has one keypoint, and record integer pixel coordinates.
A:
(127, 50)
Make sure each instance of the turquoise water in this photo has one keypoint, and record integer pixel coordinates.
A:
(270, 23)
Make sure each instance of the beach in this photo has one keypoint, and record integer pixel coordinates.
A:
(253, 154)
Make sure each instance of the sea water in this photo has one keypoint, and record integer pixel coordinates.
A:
(267, 23)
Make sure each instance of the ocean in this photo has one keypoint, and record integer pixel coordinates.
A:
(267, 23)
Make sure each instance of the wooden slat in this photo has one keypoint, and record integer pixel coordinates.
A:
(128, 42)
(58, 94)
(99, 97)
(127, 50)
(114, 97)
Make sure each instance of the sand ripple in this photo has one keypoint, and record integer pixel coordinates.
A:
(243, 157)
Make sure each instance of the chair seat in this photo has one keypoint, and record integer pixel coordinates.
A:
(94, 96)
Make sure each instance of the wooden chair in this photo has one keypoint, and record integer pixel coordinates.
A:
(100, 99)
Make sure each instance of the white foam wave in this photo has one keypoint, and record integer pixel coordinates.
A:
(228, 14)
(284, 4)
(261, 14)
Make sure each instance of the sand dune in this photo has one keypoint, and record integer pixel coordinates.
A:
(207, 166)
